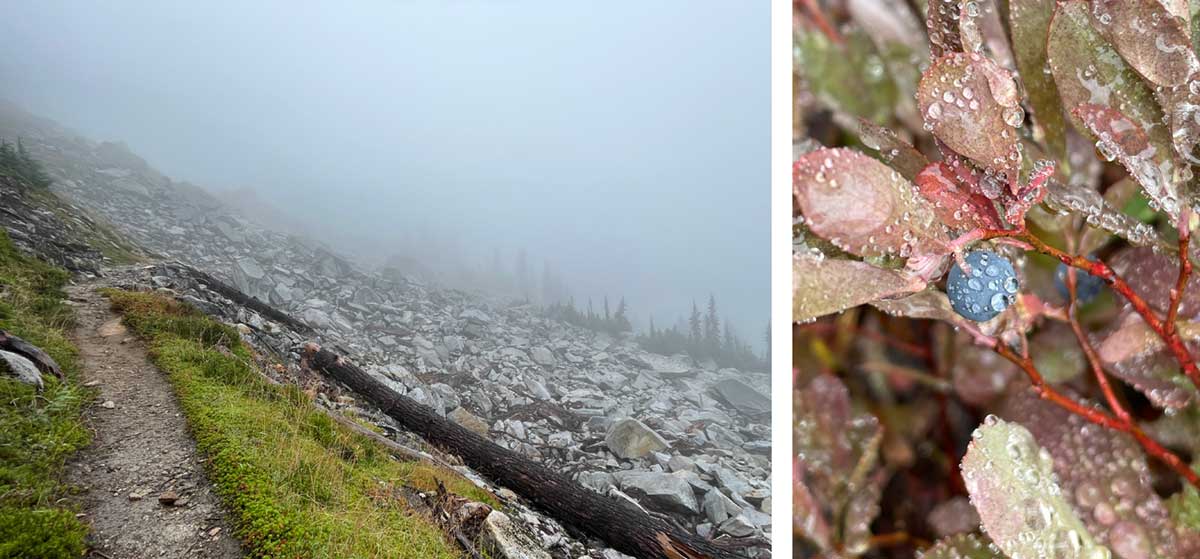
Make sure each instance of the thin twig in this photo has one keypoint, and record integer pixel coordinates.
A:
(1098, 417)
(1101, 270)
(818, 17)
(1090, 352)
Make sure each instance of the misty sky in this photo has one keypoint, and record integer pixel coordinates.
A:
(626, 141)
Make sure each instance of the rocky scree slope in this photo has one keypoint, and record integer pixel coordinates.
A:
(679, 439)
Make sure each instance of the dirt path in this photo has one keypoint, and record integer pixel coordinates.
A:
(140, 451)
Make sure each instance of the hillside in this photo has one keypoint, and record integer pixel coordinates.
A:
(562, 396)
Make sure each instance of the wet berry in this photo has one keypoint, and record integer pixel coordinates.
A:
(1087, 286)
(990, 288)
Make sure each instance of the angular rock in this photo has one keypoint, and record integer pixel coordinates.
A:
(718, 508)
(20, 367)
(543, 356)
(475, 315)
(742, 397)
(663, 491)
(469, 420)
(630, 438)
(502, 537)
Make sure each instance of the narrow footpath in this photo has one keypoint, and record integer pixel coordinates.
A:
(145, 492)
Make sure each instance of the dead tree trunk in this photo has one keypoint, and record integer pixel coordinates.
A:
(40, 359)
(252, 303)
(619, 523)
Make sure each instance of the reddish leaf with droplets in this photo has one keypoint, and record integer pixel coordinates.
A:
(1121, 138)
(981, 30)
(1153, 275)
(1154, 42)
(971, 105)
(822, 286)
(941, 18)
(955, 205)
(1135, 354)
(1087, 70)
(862, 206)
(1158, 45)
(1104, 476)
(837, 448)
(895, 152)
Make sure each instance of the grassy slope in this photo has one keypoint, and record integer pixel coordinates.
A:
(37, 431)
(297, 483)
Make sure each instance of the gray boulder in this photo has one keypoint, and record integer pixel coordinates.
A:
(469, 420)
(742, 397)
(662, 491)
(20, 367)
(718, 508)
(630, 438)
(543, 356)
(503, 538)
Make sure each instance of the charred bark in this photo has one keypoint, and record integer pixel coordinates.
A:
(40, 359)
(619, 523)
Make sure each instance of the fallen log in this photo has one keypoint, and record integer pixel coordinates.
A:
(40, 359)
(621, 524)
(252, 303)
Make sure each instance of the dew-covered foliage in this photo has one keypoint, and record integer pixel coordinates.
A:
(995, 311)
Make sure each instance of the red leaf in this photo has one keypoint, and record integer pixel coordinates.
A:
(971, 104)
(954, 205)
(862, 206)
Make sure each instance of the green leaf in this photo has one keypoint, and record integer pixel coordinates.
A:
(850, 78)
(1030, 23)
(1012, 485)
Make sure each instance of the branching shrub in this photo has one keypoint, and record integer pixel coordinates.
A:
(994, 206)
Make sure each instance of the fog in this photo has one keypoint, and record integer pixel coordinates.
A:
(627, 143)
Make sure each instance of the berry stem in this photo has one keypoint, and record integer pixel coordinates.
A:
(1185, 269)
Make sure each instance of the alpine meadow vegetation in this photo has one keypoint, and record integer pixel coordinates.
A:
(996, 317)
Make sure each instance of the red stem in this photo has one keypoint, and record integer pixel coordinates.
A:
(814, 11)
(1098, 417)
(1090, 352)
(1101, 270)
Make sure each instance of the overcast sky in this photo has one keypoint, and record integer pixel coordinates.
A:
(626, 141)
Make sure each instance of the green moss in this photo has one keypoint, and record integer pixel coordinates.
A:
(49, 533)
(298, 483)
(38, 432)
